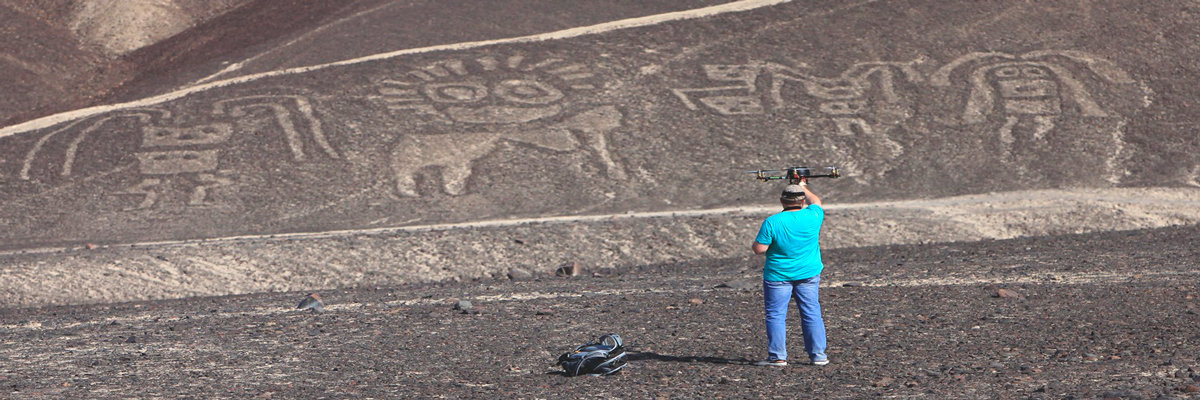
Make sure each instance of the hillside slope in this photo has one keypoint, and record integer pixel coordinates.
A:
(655, 113)
(44, 68)
(613, 119)
(59, 55)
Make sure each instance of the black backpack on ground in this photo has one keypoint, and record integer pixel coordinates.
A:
(602, 358)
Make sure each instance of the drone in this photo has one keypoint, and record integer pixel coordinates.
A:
(795, 175)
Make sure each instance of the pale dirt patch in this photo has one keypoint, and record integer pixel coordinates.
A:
(489, 249)
(120, 26)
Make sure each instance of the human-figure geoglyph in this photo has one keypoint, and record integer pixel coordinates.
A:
(1032, 92)
(1028, 94)
(185, 155)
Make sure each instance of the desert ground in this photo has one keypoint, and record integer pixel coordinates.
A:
(1017, 217)
(1101, 315)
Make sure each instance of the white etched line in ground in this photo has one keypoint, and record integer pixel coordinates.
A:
(1036, 278)
(1048, 278)
(238, 65)
(1179, 200)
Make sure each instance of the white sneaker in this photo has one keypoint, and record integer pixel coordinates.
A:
(820, 362)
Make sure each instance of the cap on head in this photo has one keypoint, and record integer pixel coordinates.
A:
(792, 193)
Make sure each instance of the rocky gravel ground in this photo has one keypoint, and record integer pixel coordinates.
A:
(1103, 315)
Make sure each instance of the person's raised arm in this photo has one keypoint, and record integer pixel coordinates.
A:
(809, 196)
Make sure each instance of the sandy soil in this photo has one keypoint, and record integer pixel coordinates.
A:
(494, 249)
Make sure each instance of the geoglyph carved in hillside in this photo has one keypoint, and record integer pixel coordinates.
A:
(486, 90)
(188, 156)
(455, 153)
(861, 104)
(1027, 96)
(493, 99)
(86, 127)
(1031, 92)
(166, 153)
(280, 108)
(1033, 83)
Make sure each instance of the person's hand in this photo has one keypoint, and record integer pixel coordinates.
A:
(804, 181)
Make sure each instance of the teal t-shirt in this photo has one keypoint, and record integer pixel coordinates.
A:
(794, 252)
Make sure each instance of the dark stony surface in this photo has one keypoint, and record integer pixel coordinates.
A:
(1109, 315)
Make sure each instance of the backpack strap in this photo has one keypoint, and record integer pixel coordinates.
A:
(612, 340)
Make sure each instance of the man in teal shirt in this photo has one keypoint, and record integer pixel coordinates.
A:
(790, 240)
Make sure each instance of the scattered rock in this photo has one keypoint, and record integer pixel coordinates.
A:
(570, 269)
(696, 301)
(883, 382)
(544, 312)
(606, 271)
(462, 305)
(1006, 294)
(518, 274)
(311, 302)
(1190, 389)
(852, 284)
(90, 246)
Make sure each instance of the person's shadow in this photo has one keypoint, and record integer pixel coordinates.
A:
(652, 356)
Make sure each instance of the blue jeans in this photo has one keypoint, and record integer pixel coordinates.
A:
(775, 300)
